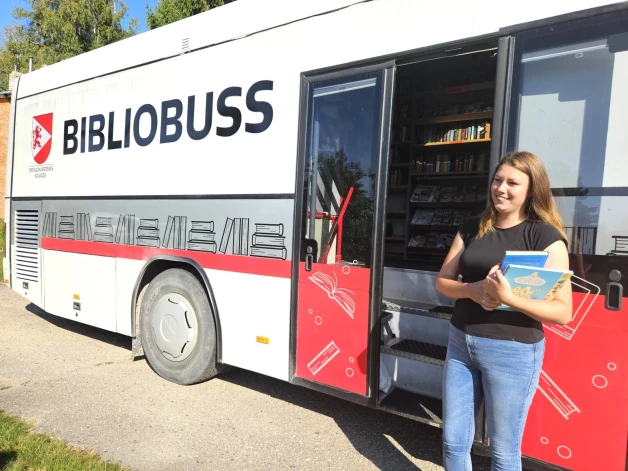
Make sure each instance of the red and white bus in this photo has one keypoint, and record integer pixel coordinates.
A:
(276, 188)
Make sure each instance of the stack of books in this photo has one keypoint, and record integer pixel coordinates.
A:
(66, 227)
(148, 233)
(202, 236)
(269, 242)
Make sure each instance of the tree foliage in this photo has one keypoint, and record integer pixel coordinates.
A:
(53, 30)
(169, 11)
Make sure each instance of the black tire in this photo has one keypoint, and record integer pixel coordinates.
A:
(200, 363)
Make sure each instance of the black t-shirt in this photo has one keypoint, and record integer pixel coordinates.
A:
(478, 257)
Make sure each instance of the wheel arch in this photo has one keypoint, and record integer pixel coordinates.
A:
(154, 267)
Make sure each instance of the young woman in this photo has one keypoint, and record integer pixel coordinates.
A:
(496, 355)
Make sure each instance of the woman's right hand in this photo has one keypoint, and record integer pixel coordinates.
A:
(476, 294)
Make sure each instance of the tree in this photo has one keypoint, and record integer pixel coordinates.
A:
(54, 30)
(169, 11)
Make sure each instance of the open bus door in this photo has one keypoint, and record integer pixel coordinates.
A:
(568, 101)
(343, 151)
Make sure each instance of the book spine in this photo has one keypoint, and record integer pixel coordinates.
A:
(203, 225)
(244, 244)
(184, 224)
(201, 236)
(269, 228)
(266, 239)
(119, 229)
(236, 236)
(168, 233)
(202, 246)
(144, 232)
(269, 252)
(226, 233)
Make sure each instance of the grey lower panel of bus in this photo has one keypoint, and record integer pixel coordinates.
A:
(254, 227)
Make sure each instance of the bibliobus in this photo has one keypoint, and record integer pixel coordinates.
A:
(277, 193)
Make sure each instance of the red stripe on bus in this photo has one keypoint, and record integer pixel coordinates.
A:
(233, 263)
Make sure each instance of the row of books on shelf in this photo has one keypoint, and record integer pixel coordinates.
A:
(467, 193)
(441, 217)
(445, 133)
(433, 239)
(459, 162)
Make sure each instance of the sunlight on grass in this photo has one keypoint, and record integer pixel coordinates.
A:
(20, 449)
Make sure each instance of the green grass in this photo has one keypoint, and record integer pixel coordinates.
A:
(22, 450)
(1, 249)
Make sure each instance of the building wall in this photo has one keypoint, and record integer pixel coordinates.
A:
(5, 109)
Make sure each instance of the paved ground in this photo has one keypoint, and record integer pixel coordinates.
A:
(80, 384)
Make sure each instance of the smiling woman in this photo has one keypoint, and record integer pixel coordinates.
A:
(496, 355)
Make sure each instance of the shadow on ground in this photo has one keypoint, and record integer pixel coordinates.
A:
(6, 458)
(112, 338)
(371, 432)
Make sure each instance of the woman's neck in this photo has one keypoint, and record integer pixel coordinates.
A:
(505, 221)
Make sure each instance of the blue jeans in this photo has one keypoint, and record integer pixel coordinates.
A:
(502, 372)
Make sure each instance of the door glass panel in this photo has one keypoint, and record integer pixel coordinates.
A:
(337, 224)
(341, 170)
(571, 102)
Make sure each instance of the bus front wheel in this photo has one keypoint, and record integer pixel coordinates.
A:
(177, 328)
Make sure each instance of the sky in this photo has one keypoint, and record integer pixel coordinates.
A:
(137, 9)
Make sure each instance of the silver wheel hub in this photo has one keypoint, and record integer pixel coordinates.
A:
(174, 326)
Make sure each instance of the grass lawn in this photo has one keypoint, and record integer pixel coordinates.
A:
(22, 450)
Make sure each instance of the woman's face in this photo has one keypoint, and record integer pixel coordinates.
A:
(509, 189)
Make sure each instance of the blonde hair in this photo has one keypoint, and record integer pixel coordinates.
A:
(539, 206)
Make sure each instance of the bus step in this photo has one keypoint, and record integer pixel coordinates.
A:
(415, 350)
(414, 406)
(420, 309)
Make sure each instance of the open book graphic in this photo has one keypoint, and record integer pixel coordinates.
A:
(340, 295)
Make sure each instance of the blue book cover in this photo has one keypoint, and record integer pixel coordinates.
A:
(535, 283)
(527, 258)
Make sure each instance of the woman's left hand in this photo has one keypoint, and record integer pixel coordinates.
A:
(496, 286)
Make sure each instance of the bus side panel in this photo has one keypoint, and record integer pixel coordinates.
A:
(81, 287)
(255, 320)
(127, 274)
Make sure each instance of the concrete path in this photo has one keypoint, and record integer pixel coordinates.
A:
(80, 384)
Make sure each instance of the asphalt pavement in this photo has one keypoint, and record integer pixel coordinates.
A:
(80, 384)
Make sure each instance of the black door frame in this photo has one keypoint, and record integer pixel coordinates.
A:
(376, 279)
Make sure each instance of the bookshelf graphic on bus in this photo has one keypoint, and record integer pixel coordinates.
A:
(268, 240)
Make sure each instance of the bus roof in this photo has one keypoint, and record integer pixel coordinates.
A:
(244, 18)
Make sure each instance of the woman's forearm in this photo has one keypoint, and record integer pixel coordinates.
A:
(552, 312)
(452, 288)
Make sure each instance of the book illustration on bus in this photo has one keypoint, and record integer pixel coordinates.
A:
(340, 295)
(236, 231)
(103, 232)
(50, 225)
(148, 233)
(591, 291)
(125, 232)
(556, 396)
(268, 241)
(326, 355)
(66, 227)
(174, 236)
(202, 237)
(84, 227)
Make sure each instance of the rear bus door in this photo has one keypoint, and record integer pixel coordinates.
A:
(569, 96)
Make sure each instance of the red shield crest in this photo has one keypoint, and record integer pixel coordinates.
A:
(41, 140)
